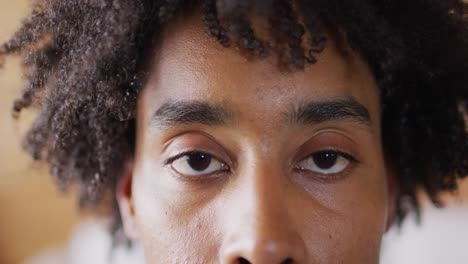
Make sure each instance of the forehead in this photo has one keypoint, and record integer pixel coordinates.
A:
(190, 65)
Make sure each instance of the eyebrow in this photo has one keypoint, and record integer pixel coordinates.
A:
(334, 110)
(174, 113)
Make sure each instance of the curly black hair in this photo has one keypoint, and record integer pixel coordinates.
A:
(85, 63)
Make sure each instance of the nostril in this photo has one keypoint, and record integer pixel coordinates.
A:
(286, 261)
(243, 261)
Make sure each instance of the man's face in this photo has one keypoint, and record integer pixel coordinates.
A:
(237, 161)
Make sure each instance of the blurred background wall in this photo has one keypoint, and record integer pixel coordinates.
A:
(33, 214)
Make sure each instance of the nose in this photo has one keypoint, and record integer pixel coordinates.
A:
(259, 226)
(262, 252)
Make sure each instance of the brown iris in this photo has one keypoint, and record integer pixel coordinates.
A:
(325, 159)
(199, 161)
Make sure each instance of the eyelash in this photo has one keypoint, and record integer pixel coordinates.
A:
(345, 155)
(351, 158)
(186, 153)
(199, 179)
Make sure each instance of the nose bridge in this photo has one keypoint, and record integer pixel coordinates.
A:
(264, 188)
(267, 192)
(261, 230)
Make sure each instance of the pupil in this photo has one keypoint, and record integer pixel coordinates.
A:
(325, 160)
(199, 161)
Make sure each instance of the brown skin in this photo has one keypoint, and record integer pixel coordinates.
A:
(257, 206)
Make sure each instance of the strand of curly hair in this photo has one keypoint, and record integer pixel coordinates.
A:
(85, 64)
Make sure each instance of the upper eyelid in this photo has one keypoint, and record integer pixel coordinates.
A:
(345, 155)
(223, 155)
(186, 153)
(353, 162)
(349, 156)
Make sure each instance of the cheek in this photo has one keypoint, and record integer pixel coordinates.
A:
(348, 218)
(170, 224)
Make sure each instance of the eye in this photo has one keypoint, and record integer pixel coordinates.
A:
(197, 164)
(326, 162)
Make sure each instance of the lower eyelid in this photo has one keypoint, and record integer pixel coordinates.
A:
(327, 178)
